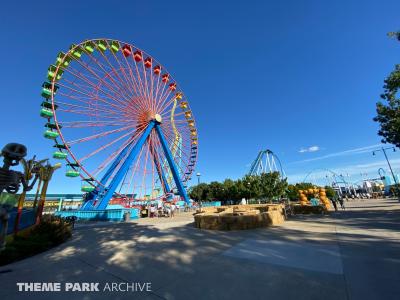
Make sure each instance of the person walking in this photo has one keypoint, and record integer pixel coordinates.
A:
(152, 211)
(333, 200)
(173, 207)
(341, 202)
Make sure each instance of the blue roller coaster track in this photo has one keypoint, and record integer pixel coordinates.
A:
(266, 162)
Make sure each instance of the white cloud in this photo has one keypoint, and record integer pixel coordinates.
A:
(354, 171)
(336, 154)
(310, 149)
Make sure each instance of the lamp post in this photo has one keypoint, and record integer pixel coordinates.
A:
(198, 178)
(198, 182)
(390, 167)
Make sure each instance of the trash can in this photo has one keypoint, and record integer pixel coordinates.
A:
(127, 216)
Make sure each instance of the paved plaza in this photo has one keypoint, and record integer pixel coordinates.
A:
(352, 254)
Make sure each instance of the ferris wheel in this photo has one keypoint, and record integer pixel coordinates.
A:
(120, 121)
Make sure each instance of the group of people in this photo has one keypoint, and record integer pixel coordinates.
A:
(336, 199)
(162, 209)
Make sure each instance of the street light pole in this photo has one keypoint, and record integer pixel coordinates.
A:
(390, 166)
(198, 182)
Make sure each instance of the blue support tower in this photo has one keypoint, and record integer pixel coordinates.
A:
(172, 165)
(99, 199)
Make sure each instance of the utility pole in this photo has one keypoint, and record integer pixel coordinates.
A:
(390, 167)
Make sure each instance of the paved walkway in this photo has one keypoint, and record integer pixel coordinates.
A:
(353, 254)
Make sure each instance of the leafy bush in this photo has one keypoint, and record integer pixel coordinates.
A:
(51, 232)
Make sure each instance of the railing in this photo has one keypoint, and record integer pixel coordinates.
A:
(102, 215)
(210, 204)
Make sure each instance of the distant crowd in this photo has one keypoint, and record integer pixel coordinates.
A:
(165, 209)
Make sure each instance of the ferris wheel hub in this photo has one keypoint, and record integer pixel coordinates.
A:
(158, 118)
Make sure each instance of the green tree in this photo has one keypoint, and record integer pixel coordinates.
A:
(272, 186)
(304, 186)
(292, 192)
(216, 191)
(330, 192)
(230, 191)
(251, 187)
(199, 192)
(388, 112)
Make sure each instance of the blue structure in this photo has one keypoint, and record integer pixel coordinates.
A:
(98, 199)
(266, 162)
(114, 214)
(28, 218)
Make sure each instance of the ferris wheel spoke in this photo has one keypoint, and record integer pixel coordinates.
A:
(180, 153)
(173, 144)
(107, 68)
(95, 108)
(135, 135)
(160, 83)
(152, 88)
(122, 87)
(104, 108)
(135, 80)
(109, 159)
(165, 103)
(155, 153)
(182, 132)
(106, 146)
(98, 135)
(109, 86)
(95, 86)
(145, 166)
(84, 97)
(130, 76)
(160, 94)
(139, 78)
(153, 163)
(116, 103)
(84, 124)
(129, 80)
(171, 111)
(85, 113)
(157, 87)
(147, 87)
(134, 171)
(181, 171)
(88, 86)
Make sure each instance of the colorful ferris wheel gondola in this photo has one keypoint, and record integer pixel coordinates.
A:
(120, 121)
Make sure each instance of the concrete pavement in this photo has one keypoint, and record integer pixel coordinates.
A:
(352, 254)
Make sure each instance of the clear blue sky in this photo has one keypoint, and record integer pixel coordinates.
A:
(284, 75)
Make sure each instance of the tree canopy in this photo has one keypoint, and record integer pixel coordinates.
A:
(267, 186)
(388, 112)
